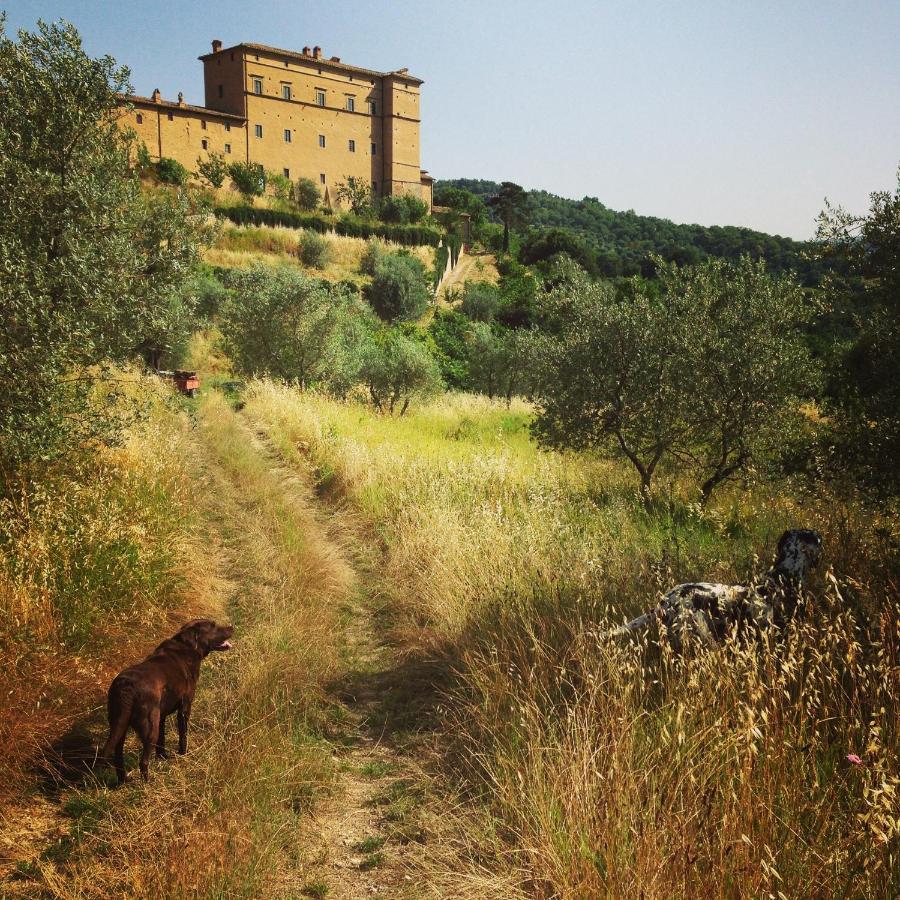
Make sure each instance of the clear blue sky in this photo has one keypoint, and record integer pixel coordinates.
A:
(744, 112)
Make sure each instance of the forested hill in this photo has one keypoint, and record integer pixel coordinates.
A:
(623, 241)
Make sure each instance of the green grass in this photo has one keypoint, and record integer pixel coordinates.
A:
(370, 844)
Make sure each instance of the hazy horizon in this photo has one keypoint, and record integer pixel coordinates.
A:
(690, 112)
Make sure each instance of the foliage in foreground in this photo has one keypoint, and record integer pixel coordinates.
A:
(88, 262)
(615, 771)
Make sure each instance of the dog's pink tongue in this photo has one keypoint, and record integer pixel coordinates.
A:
(225, 645)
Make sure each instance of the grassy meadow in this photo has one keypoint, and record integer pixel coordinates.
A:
(610, 770)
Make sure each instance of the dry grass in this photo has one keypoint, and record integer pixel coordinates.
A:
(242, 247)
(223, 821)
(614, 772)
(90, 557)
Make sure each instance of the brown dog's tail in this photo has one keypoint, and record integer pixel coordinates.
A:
(118, 709)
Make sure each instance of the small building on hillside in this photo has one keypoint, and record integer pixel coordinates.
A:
(298, 114)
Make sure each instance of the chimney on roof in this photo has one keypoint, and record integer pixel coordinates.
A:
(335, 59)
(317, 52)
(306, 51)
(156, 97)
(181, 98)
(217, 45)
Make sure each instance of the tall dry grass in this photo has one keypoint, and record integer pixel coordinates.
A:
(226, 820)
(615, 772)
(242, 247)
(93, 553)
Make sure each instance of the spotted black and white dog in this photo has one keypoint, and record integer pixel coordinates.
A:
(704, 614)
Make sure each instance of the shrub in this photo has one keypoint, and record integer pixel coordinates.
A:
(480, 301)
(248, 178)
(281, 186)
(307, 194)
(374, 253)
(398, 289)
(213, 170)
(403, 209)
(313, 250)
(170, 171)
(451, 333)
(350, 226)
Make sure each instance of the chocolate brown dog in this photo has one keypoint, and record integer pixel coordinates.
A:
(144, 694)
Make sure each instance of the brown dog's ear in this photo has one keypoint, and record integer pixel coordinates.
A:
(192, 633)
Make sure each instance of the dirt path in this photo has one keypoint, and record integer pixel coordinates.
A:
(471, 267)
(363, 839)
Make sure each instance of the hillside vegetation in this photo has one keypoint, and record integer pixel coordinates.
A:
(622, 243)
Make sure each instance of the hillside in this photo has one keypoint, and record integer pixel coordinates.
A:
(623, 241)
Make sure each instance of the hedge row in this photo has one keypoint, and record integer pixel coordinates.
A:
(440, 263)
(408, 235)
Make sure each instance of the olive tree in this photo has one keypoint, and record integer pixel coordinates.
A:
(701, 373)
(864, 294)
(396, 369)
(88, 262)
(399, 290)
(282, 323)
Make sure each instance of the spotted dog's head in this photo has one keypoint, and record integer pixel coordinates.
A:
(799, 550)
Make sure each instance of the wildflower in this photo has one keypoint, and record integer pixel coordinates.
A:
(853, 759)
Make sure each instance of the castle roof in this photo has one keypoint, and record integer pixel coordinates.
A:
(185, 107)
(322, 61)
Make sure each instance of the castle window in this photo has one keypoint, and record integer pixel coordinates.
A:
(221, 90)
(228, 126)
(322, 178)
(351, 104)
(287, 135)
(374, 149)
(140, 119)
(320, 98)
(204, 144)
(203, 124)
(322, 141)
(258, 130)
(257, 85)
(228, 148)
(171, 117)
(351, 145)
(286, 92)
(287, 173)
(372, 108)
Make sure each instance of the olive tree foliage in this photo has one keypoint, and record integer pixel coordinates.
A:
(753, 369)
(396, 369)
(88, 263)
(702, 374)
(500, 361)
(399, 289)
(864, 290)
(278, 321)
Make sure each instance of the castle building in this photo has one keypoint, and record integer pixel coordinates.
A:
(298, 114)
